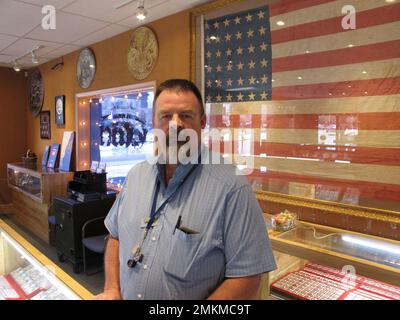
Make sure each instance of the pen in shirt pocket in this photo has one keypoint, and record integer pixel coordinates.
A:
(183, 228)
(178, 223)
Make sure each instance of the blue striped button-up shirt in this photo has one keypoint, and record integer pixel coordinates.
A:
(227, 235)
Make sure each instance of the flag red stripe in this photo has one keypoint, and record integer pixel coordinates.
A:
(360, 121)
(373, 87)
(285, 6)
(372, 52)
(364, 19)
(380, 191)
(361, 155)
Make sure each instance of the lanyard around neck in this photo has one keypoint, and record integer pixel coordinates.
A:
(155, 213)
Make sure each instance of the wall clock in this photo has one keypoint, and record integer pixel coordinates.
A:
(85, 68)
(35, 92)
(142, 52)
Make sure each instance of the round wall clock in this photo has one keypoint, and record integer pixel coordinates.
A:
(85, 68)
(35, 92)
(142, 52)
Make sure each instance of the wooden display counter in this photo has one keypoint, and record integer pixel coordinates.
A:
(32, 192)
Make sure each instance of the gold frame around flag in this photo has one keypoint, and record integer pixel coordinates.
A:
(363, 218)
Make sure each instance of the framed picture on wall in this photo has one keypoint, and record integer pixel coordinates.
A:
(45, 132)
(59, 106)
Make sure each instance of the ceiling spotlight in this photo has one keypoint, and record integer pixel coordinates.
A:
(141, 13)
(35, 58)
(16, 66)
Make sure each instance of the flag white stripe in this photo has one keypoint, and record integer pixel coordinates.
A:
(322, 12)
(359, 138)
(389, 103)
(353, 171)
(349, 72)
(357, 37)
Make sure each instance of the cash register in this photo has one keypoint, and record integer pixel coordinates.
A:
(87, 185)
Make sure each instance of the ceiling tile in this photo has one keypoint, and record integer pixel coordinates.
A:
(159, 9)
(5, 41)
(26, 62)
(23, 46)
(6, 59)
(69, 28)
(107, 32)
(62, 51)
(58, 4)
(186, 4)
(17, 18)
(103, 10)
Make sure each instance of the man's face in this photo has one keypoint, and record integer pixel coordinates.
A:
(182, 110)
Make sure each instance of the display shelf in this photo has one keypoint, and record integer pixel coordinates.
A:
(26, 274)
(40, 184)
(32, 192)
(317, 262)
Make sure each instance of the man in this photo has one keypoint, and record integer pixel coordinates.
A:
(184, 231)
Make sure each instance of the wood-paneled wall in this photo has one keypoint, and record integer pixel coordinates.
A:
(13, 123)
(173, 34)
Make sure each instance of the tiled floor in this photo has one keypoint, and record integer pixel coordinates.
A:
(93, 283)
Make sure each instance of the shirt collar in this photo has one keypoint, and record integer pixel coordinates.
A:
(180, 173)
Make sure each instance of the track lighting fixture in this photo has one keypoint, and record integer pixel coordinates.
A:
(141, 13)
(16, 66)
(34, 56)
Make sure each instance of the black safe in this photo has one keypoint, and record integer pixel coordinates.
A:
(70, 216)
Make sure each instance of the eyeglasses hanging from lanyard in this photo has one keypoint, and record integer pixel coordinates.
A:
(137, 250)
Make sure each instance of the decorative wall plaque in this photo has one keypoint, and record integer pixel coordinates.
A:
(86, 68)
(60, 110)
(142, 53)
(35, 92)
(45, 132)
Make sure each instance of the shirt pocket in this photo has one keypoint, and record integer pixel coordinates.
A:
(185, 253)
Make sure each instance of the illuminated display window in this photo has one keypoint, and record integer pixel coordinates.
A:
(115, 129)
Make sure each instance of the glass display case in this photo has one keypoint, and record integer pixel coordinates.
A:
(317, 262)
(39, 183)
(32, 192)
(26, 274)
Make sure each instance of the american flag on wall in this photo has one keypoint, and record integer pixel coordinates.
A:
(333, 119)
(238, 57)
